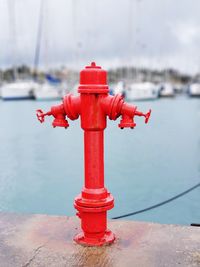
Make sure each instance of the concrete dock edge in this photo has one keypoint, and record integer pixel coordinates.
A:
(42, 240)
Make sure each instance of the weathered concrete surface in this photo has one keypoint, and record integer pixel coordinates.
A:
(41, 240)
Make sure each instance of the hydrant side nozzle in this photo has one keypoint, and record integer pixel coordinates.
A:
(58, 113)
(128, 113)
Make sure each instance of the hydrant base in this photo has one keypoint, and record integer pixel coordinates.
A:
(107, 239)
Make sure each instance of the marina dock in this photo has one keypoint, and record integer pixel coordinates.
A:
(42, 240)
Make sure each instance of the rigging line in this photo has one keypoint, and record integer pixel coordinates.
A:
(159, 204)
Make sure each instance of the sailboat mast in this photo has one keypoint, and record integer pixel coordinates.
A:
(38, 39)
(130, 36)
(75, 30)
(13, 41)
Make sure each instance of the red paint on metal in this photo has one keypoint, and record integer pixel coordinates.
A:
(93, 105)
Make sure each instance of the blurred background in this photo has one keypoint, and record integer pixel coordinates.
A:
(150, 49)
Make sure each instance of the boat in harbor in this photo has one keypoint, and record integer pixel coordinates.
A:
(18, 90)
(46, 91)
(166, 90)
(194, 90)
(118, 88)
(142, 91)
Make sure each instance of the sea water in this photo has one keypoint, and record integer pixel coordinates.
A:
(41, 168)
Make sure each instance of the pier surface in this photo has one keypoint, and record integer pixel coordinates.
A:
(42, 240)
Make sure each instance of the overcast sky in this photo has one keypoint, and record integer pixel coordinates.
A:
(153, 33)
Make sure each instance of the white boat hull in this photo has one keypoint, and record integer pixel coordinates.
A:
(118, 88)
(167, 94)
(142, 91)
(166, 90)
(17, 91)
(46, 92)
(194, 89)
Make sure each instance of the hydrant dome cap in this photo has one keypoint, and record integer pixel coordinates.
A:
(93, 75)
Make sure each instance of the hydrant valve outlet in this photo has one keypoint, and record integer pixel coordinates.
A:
(127, 123)
(60, 121)
(94, 106)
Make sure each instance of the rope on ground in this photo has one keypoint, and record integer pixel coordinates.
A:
(159, 204)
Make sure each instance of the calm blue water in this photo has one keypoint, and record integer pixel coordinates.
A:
(41, 168)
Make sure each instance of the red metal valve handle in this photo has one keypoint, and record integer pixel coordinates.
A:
(147, 116)
(40, 115)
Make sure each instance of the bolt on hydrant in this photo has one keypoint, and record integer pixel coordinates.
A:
(93, 105)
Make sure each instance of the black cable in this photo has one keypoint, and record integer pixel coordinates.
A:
(195, 224)
(159, 204)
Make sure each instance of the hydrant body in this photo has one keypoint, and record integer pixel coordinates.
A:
(94, 105)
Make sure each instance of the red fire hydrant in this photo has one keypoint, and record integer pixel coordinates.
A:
(94, 105)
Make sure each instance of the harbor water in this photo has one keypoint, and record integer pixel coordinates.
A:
(41, 168)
